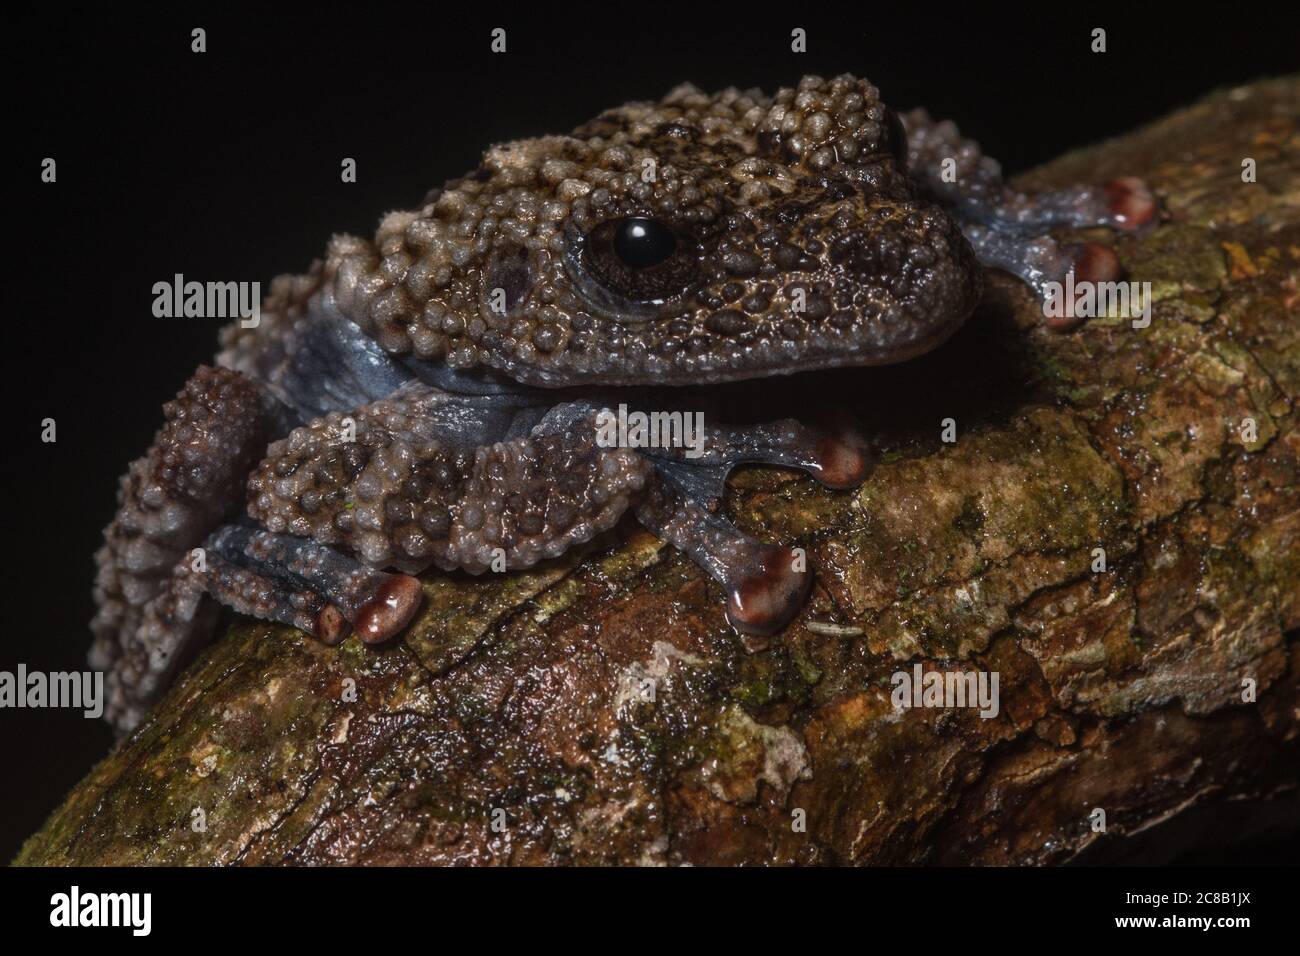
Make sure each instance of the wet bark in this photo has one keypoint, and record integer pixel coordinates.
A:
(514, 722)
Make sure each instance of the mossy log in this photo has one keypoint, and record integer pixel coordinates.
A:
(512, 724)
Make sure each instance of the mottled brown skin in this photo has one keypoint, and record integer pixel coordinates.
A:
(411, 380)
(799, 193)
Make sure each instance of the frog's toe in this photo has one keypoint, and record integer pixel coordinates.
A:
(308, 585)
(841, 457)
(1091, 263)
(390, 610)
(1131, 202)
(765, 585)
(331, 626)
(769, 592)
(1094, 262)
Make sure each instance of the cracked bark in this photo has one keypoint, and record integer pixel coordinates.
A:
(1120, 690)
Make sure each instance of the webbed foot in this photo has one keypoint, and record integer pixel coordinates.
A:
(1008, 229)
(313, 587)
(765, 584)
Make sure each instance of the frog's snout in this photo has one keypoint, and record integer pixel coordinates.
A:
(914, 276)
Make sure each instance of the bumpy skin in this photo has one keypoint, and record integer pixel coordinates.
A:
(407, 385)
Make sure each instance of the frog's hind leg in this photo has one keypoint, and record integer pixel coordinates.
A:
(1006, 227)
(300, 360)
(148, 604)
(310, 586)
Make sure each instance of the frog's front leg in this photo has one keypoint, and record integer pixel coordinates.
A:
(765, 584)
(393, 484)
(1008, 228)
(384, 484)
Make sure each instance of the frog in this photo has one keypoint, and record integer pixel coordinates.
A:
(437, 396)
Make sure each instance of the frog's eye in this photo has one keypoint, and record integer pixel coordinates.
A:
(638, 259)
(643, 243)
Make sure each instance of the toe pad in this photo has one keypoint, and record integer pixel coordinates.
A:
(764, 600)
(390, 610)
(1132, 203)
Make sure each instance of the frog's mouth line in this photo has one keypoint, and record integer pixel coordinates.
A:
(840, 357)
(860, 358)
(921, 346)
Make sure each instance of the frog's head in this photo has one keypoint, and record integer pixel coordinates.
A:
(698, 239)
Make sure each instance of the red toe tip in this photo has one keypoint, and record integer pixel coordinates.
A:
(842, 461)
(390, 610)
(1131, 202)
(1094, 262)
(764, 601)
(331, 626)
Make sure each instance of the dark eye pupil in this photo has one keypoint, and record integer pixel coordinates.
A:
(642, 243)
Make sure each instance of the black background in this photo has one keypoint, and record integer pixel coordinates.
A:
(225, 166)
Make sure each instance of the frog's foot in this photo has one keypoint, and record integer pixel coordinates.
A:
(829, 447)
(765, 585)
(1052, 270)
(1007, 228)
(315, 588)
